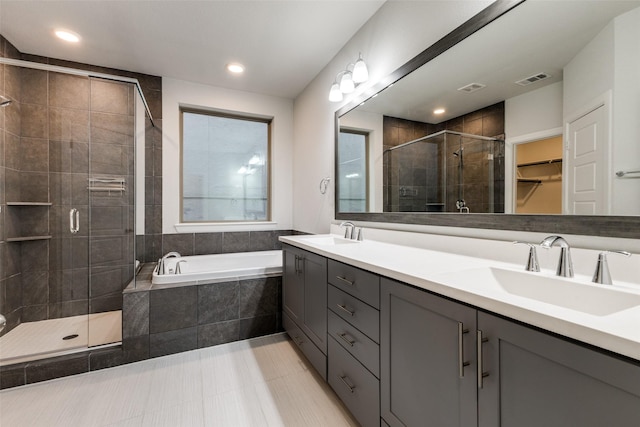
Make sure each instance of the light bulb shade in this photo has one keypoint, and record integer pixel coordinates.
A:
(346, 83)
(360, 71)
(335, 95)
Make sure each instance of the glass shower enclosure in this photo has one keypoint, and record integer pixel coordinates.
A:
(446, 171)
(67, 209)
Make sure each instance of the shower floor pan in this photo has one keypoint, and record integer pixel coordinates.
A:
(46, 338)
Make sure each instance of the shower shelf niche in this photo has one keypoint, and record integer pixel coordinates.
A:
(24, 237)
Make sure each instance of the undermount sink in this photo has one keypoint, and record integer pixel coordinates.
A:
(328, 240)
(597, 300)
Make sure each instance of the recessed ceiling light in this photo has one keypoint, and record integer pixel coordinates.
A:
(438, 111)
(67, 36)
(235, 68)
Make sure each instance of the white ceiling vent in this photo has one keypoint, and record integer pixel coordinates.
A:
(533, 79)
(471, 87)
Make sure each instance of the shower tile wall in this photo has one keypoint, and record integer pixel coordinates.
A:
(45, 158)
(419, 188)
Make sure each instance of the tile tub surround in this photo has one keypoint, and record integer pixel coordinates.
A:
(174, 319)
(158, 322)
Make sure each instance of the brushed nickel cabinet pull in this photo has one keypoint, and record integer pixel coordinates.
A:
(481, 374)
(345, 280)
(461, 362)
(345, 339)
(344, 308)
(349, 386)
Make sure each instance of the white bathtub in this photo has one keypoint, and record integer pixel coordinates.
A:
(217, 268)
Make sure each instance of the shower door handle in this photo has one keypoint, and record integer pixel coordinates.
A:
(74, 220)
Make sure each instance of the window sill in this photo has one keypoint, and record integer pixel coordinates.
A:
(205, 227)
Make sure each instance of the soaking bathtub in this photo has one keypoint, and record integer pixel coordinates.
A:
(202, 269)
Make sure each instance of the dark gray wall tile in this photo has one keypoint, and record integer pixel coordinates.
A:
(34, 121)
(258, 326)
(112, 129)
(218, 302)
(218, 333)
(236, 242)
(263, 240)
(105, 358)
(109, 96)
(258, 297)
(135, 314)
(56, 368)
(68, 91)
(171, 309)
(171, 342)
(35, 287)
(34, 86)
(106, 303)
(181, 243)
(207, 243)
(68, 125)
(135, 348)
(68, 309)
(35, 313)
(12, 376)
(34, 155)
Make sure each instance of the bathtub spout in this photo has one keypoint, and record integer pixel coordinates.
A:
(161, 261)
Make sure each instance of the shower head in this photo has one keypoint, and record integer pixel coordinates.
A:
(4, 101)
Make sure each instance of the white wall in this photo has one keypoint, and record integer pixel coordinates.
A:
(176, 93)
(528, 117)
(396, 33)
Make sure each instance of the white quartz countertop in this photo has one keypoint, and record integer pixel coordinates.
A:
(439, 272)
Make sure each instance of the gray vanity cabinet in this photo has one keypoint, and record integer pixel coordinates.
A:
(536, 379)
(427, 359)
(304, 302)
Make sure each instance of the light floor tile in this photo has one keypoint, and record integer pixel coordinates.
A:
(258, 382)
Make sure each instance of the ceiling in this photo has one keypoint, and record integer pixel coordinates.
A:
(283, 44)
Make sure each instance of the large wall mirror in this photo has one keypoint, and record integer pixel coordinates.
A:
(524, 118)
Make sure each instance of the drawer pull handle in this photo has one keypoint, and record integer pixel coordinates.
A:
(344, 308)
(345, 339)
(481, 374)
(461, 362)
(349, 386)
(345, 280)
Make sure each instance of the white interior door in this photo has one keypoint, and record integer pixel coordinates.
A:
(586, 164)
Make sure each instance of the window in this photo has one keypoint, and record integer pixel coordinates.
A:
(352, 171)
(225, 167)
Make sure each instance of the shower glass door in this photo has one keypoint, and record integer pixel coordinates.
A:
(67, 239)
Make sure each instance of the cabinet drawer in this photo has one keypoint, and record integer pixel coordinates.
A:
(359, 283)
(355, 312)
(313, 354)
(356, 343)
(358, 389)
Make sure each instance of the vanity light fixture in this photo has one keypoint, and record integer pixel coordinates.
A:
(235, 68)
(347, 80)
(67, 36)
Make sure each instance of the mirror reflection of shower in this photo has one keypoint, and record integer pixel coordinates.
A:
(446, 171)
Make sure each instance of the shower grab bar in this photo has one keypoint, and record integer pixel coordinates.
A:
(74, 221)
(442, 132)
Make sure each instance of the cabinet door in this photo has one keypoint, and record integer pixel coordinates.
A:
(315, 299)
(292, 283)
(536, 379)
(420, 359)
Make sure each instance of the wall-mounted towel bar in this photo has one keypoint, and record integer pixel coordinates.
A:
(621, 174)
(107, 184)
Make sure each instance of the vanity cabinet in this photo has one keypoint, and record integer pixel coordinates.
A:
(447, 364)
(354, 336)
(427, 358)
(304, 302)
(537, 379)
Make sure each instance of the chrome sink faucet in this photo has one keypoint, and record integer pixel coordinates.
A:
(532, 261)
(348, 229)
(161, 261)
(565, 266)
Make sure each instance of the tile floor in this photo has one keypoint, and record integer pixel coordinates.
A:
(33, 340)
(258, 382)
